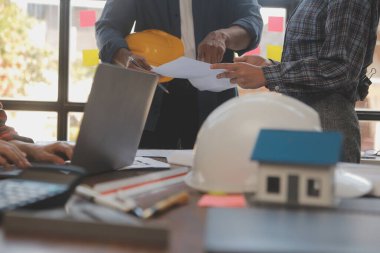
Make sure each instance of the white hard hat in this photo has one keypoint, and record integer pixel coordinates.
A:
(226, 139)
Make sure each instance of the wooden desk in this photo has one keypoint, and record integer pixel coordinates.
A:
(185, 224)
(373, 161)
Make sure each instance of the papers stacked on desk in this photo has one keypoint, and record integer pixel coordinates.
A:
(139, 193)
(85, 221)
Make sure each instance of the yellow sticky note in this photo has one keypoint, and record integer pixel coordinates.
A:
(90, 57)
(274, 52)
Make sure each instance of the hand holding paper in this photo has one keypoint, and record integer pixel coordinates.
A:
(199, 74)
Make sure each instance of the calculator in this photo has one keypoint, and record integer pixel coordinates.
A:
(41, 186)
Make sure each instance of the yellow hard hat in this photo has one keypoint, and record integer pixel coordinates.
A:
(157, 47)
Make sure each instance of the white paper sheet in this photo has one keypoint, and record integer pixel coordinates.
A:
(155, 152)
(199, 74)
(146, 162)
(182, 157)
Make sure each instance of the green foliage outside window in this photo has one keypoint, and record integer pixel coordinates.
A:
(22, 62)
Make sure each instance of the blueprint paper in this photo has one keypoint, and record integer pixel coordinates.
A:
(199, 74)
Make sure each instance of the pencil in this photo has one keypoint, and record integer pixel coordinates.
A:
(162, 205)
(133, 60)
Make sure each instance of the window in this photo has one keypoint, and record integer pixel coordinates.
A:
(83, 49)
(29, 50)
(270, 47)
(47, 60)
(313, 187)
(273, 184)
(272, 39)
(48, 56)
(369, 109)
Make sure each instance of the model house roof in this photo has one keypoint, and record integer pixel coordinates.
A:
(297, 147)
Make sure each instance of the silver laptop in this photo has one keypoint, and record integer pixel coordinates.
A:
(114, 118)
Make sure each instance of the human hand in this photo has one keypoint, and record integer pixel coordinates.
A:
(254, 60)
(213, 47)
(243, 74)
(11, 154)
(51, 153)
(126, 59)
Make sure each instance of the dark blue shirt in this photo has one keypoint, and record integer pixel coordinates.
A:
(119, 16)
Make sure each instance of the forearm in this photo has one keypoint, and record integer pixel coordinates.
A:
(23, 146)
(246, 15)
(109, 42)
(237, 38)
(310, 75)
(115, 23)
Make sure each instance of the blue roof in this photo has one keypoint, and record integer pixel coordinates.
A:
(298, 147)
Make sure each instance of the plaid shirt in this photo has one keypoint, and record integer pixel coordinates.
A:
(328, 46)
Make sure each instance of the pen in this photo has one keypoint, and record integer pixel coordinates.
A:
(162, 205)
(133, 60)
(129, 205)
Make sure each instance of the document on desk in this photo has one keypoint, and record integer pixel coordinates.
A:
(199, 74)
(146, 162)
(163, 153)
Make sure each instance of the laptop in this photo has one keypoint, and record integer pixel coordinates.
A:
(114, 118)
(113, 121)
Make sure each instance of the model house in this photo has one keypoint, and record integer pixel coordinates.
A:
(296, 167)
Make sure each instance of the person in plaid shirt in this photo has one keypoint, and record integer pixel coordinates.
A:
(18, 150)
(328, 46)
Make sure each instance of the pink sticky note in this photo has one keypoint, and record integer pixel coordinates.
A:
(222, 201)
(256, 51)
(275, 24)
(87, 18)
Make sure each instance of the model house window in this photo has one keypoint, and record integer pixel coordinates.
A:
(313, 187)
(273, 184)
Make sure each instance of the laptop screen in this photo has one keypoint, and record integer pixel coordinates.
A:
(114, 118)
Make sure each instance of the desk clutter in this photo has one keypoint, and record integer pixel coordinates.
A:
(85, 221)
(124, 210)
(41, 186)
(111, 211)
(136, 194)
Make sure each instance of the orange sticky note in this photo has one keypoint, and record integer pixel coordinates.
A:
(274, 52)
(255, 51)
(222, 201)
(87, 18)
(90, 57)
(275, 24)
